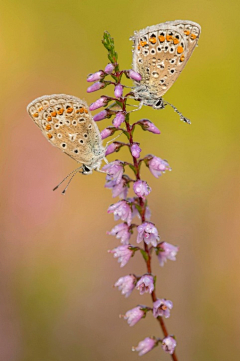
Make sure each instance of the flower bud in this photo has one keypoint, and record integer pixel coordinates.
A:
(169, 344)
(95, 76)
(118, 91)
(100, 116)
(95, 87)
(109, 68)
(133, 75)
(119, 119)
(135, 150)
(113, 148)
(99, 103)
(107, 132)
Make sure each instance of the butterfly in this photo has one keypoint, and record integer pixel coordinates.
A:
(160, 52)
(67, 124)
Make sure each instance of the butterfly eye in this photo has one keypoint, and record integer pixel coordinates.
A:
(140, 60)
(81, 120)
(153, 51)
(85, 135)
(76, 151)
(56, 126)
(59, 135)
(74, 122)
(64, 145)
(81, 141)
(90, 127)
(172, 71)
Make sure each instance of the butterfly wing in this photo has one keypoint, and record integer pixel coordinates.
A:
(67, 124)
(162, 51)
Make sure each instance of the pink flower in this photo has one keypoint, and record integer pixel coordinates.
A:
(145, 284)
(145, 346)
(106, 133)
(134, 75)
(169, 344)
(109, 68)
(121, 231)
(95, 87)
(118, 91)
(134, 315)
(135, 150)
(114, 170)
(149, 126)
(101, 102)
(123, 253)
(120, 189)
(162, 307)
(118, 120)
(121, 210)
(113, 147)
(166, 251)
(95, 76)
(148, 233)
(100, 116)
(141, 189)
(158, 166)
(126, 284)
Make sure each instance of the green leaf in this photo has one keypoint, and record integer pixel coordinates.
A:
(145, 255)
(108, 43)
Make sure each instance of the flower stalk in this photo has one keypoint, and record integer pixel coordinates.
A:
(148, 239)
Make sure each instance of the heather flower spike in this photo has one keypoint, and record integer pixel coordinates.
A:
(123, 176)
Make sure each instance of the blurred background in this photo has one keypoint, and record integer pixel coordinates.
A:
(57, 302)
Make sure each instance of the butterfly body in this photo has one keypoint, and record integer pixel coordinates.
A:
(67, 124)
(160, 53)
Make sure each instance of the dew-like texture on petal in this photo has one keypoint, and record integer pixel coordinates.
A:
(135, 150)
(145, 284)
(141, 188)
(123, 253)
(121, 231)
(148, 233)
(158, 166)
(145, 346)
(169, 344)
(121, 210)
(134, 315)
(126, 284)
(114, 170)
(162, 307)
(168, 251)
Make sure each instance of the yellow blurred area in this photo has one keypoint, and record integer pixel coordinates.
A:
(56, 298)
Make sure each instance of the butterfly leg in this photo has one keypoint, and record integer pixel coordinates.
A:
(186, 120)
(138, 107)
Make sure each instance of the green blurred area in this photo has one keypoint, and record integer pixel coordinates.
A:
(57, 302)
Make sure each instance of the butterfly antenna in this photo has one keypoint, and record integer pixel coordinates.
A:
(112, 140)
(74, 171)
(65, 189)
(186, 120)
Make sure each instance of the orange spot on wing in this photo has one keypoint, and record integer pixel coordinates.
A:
(35, 115)
(49, 118)
(175, 41)
(139, 47)
(60, 112)
(49, 135)
(85, 110)
(182, 58)
(48, 127)
(153, 40)
(169, 37)
(161, 38)
(81, 110)
(69, 110)
(41, 108)
(143, 43)
(54, 114)
(180, 49)
(193, 36)
(186, 32)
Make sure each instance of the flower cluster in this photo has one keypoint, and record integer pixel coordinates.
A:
(147, 240)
